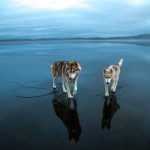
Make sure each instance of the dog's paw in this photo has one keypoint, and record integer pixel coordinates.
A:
(106, 94)
(54, 87)
(112, 88)
(75, 92)
(70, 96)
(64, 90)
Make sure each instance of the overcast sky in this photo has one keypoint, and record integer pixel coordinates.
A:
(73, 18)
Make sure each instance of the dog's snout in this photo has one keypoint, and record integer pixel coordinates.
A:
(71, 78)
(107, 82)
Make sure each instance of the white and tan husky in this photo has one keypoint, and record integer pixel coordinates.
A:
(111, 76)
(69, 72)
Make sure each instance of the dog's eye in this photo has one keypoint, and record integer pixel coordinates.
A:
(73, 71)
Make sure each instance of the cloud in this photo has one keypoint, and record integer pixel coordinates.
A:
(49, 4)
(138, 2)
(77, 17)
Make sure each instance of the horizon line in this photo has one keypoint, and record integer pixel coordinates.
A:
(79, 38)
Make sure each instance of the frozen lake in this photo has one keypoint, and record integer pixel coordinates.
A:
(32, 117)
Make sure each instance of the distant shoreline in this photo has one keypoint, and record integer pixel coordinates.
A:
(143, 37)
(135, 42)
(143, 40)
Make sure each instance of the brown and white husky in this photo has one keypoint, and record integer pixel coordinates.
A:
(69, 72)
(111, 76)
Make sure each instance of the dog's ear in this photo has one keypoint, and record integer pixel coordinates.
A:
(104, 71)
(79, 66)
(111, 70)
(66, 64)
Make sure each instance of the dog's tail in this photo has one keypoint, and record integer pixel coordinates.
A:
(120, 62)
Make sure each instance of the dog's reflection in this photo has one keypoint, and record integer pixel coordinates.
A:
(68, 115)
(110, 107)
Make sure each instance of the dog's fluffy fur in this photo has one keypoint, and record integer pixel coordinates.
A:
(111, 75)
(69, 71)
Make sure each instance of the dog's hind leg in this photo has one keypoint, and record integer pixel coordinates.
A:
(113, 85)
(54, 82)
(54, 75)
(116, 82)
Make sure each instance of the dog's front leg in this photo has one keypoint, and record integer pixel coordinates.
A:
(63, 86)
(106, 90)
(68, 90)
(75, 87)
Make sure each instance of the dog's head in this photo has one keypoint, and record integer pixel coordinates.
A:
(73, 68)
(108, 73)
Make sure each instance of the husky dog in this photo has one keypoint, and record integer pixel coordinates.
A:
(69, 71)
(111, 75)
